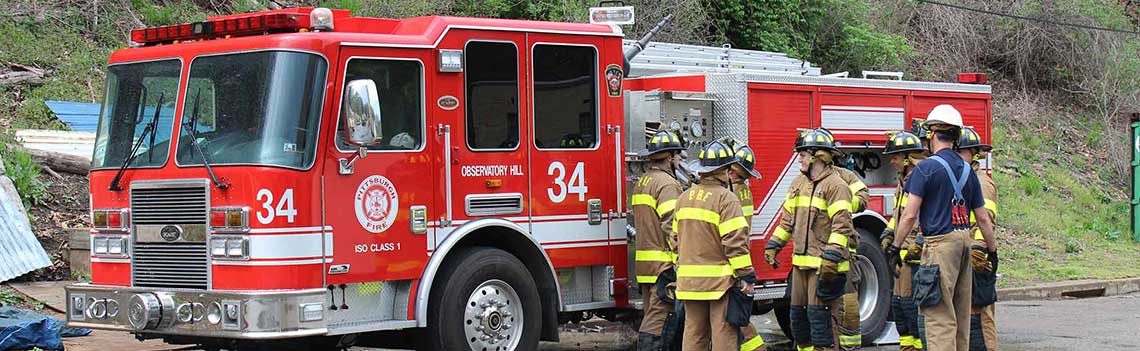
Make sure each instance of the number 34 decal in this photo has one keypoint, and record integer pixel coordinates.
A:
(576, 184)
(284, 207)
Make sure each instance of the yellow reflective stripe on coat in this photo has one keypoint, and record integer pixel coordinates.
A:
(902, 254)
(814, 262)
(699, 214)
(653, 256)
(837, 206)
(699, 295)
(805, 201)
(978, 235)
(646, 279)
(748, 210)
(741, 261)
(991, 205)
(805, 348)
(891, 223)
(666, 206)
(782, 234)
(918, 343)
(836, 238)
(854, 204)
(732, 225)
(704, 270)
(855, 187)
(753, 343)
(643, 199)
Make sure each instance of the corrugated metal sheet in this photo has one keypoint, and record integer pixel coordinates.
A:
(79, 116)
(20, 251)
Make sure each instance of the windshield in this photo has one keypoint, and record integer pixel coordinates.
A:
(133, 94)
(253, 108)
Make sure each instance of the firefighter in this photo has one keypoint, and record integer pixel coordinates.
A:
(848, 333)
(653, 202)
(713, 255)
(817, 216)
(983, 331)
(904, 150)
(744, 169)
(943, 191)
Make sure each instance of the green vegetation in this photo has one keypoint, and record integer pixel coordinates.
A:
(9, 297)
(25, 175)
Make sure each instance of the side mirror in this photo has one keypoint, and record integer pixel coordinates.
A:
(361, 113)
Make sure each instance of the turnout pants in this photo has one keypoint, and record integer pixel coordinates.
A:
(983, 331)
(811, 318)
(848, 334)
(947, 323)
(705, 325)
(654, 310)
(905, 311)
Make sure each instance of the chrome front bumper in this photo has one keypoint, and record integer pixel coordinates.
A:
(218, 314)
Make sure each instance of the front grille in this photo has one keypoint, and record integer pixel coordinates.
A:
(182, 265)
(183, 205)
(171, 265)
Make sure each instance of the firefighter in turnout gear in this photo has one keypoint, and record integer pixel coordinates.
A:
(653, 202)
(942, 193)
(817, 216)
(904, 150)
(713, 263)
(983, 331)
(744, 169)
(848, 334)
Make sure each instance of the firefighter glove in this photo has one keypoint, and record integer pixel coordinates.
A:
(914, 253)
(770, 256)
(829, 265)
(980, 259)
(893, 259)
(887, 238)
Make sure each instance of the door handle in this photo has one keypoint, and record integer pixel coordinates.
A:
(594, 214)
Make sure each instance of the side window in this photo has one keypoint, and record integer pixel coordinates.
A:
(492, 87)
(399, 84)
(565, 97)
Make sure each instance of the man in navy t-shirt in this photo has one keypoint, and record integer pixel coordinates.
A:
(943, 191)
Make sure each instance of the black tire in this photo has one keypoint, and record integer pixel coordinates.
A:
(448, 314)
(873, 324)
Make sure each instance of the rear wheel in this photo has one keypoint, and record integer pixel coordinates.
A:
(484, 300)
(874, 287)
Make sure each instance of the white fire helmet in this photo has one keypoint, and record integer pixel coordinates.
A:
(945, 115)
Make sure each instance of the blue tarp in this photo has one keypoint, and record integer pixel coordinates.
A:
(24, 330)
(79, 116)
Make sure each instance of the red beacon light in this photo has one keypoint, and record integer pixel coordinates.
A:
(299, 19)
(972, 78)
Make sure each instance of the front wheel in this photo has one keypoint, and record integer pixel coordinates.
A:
(484, 300)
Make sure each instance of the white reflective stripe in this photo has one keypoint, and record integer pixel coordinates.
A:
(290, 230)
(564, 231)
(110, 260)
(272, 262)
(289, 246)
(768, 213)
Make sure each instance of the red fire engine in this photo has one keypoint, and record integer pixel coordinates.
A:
(307, 173)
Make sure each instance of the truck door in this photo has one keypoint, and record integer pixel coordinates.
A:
(370, 210)
(572, 150)
(486, 160)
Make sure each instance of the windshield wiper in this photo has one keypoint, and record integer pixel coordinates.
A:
(190, 127)
(150, 128)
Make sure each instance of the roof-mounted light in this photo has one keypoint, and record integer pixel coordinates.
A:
(612, 15)
(245, 25)
(321, 18)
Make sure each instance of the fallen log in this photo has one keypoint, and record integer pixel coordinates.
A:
(61, 162)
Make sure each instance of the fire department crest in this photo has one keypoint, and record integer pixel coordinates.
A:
(376, 203)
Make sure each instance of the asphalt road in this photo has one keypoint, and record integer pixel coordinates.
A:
(1107, 323)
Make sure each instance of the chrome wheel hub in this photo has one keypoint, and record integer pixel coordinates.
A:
(493, 317)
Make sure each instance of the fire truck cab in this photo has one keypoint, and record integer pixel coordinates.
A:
(306, 173)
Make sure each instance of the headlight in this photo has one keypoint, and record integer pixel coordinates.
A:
(110, 220)
(110, 246)
(229, 247)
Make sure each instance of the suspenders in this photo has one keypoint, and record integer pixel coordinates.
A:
(959, 214)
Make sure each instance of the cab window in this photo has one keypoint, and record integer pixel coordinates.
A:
(565, 97)
(399, 84)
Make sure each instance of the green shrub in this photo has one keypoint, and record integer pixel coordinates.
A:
(25, 174)
(1030, 185)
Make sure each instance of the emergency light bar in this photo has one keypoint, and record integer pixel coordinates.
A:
(316, 19)
(612, 15)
